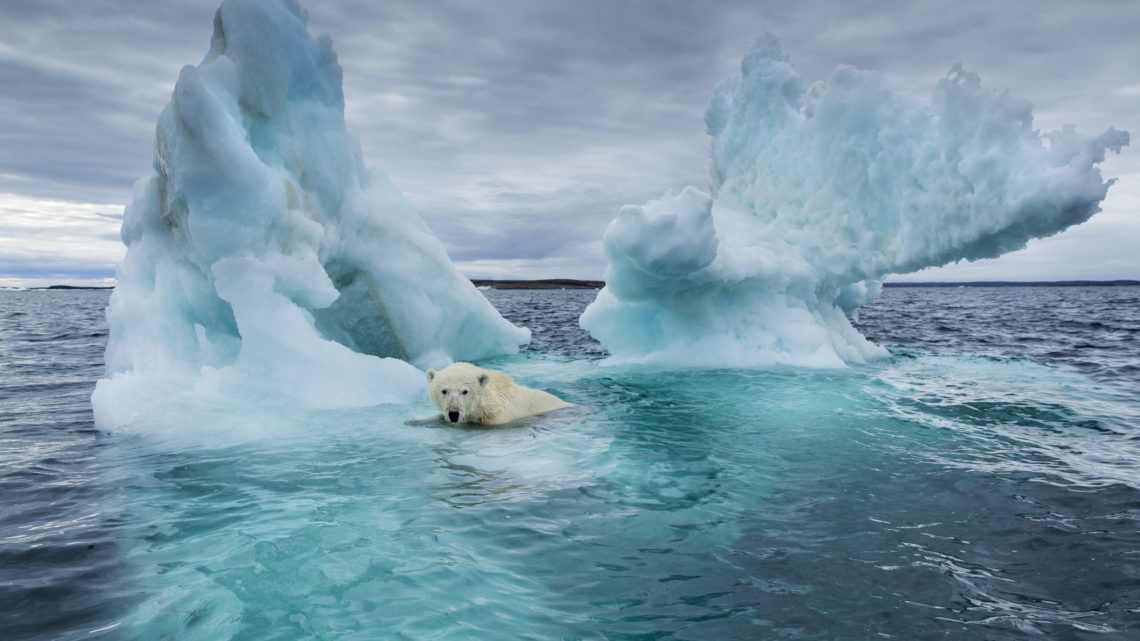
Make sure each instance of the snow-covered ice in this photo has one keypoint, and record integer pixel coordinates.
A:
(264, 260)
(819, 193)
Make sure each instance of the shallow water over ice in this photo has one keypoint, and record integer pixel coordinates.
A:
(982, 483)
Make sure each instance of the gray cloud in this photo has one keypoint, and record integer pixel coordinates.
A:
(45, 242)
(520, 128)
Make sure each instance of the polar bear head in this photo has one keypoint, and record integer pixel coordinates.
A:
(460, 392)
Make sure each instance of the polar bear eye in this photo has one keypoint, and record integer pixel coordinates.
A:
(444, 392)
(465, 392)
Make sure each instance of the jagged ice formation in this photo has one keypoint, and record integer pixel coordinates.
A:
(817, 195)
(263, 259)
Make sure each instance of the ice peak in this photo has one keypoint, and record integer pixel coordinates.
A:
(765, 49)
(268, 42)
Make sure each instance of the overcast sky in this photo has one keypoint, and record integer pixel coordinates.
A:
(520, 128)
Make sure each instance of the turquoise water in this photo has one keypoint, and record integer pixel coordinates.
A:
(984, 483)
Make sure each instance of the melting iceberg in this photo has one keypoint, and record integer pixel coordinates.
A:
(818, 194)
(263, 259)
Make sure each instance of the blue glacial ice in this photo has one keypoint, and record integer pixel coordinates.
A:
(264, 260)
(817, 195)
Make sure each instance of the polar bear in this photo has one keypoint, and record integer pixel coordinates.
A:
(465, 393)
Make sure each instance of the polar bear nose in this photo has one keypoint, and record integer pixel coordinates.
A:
(453, 416)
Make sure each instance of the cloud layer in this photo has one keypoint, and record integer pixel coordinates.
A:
(519, 129)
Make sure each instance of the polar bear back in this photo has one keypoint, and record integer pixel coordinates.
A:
(506, 401)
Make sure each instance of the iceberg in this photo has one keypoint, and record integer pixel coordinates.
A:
(264, 261)
(817, 194)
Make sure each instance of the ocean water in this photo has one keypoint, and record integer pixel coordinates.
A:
(983, 483)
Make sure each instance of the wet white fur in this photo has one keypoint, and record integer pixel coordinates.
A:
(491, 398)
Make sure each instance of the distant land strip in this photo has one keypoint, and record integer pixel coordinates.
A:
(569, 283)
(1016, 283)
(549, 283)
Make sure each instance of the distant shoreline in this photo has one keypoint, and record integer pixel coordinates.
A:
(548, 283)
(569, 283)
(1017, 283)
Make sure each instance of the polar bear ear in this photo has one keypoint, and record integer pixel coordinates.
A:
(431, 375)
(482, 379)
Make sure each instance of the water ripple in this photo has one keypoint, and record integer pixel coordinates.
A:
(982, 483)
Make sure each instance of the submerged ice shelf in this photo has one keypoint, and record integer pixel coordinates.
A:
(819, 193)
(264, 259)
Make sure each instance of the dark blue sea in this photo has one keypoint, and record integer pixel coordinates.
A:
(982, 483)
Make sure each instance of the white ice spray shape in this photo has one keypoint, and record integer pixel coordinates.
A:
(818, 194)
(263, 259)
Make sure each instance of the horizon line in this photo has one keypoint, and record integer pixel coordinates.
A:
(555, 283)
